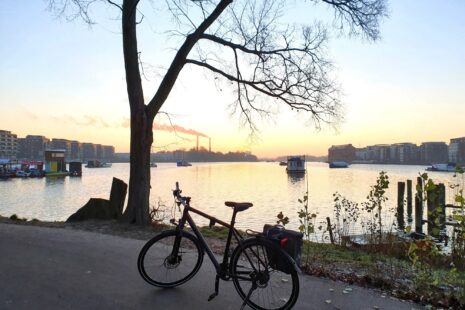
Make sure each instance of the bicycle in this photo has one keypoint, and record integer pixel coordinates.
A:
(264, 275)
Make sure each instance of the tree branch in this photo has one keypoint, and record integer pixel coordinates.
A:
(179, 60)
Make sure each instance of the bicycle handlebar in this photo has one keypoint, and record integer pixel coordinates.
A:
(177, 194)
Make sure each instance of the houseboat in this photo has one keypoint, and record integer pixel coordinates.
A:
(296, 164)
(97, 164)
(55, 165)
(183, 163)
(450, 167)
(75, 168)
(338, 164)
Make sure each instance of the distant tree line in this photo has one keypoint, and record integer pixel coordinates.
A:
(194, 155)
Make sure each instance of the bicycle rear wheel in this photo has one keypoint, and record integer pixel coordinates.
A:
(159, 266)
(258, 280)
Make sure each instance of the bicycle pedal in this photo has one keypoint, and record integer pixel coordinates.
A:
(212, 296)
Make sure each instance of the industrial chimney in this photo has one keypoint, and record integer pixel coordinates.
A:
(197, 148)
(210, 145)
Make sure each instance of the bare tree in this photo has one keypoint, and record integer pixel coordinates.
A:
(243, 42)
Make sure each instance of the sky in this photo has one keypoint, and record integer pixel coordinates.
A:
(65, 79)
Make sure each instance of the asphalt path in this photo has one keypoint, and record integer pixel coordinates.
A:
(62, 268)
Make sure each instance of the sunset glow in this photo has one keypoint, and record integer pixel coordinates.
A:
(64, 80)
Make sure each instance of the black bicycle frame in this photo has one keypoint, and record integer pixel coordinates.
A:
(221, 268)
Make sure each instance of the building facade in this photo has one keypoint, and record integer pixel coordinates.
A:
(433, 153)
(456, 151)
(89, 151)
(32, 147)
(108, 152)
(75, 151)
(403, 153)
(8, 145)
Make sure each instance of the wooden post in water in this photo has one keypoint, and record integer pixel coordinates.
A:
(430, 195)
(441, 211)
(409, 201)
(419, 206)
(330, 229)
(400, 205)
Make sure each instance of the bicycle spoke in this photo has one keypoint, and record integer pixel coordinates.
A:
(159, 267)
(274, 288)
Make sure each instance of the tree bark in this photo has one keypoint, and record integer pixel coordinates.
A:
(137, 210)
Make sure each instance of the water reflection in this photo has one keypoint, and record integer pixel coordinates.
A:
(52, 180)
(295, 178)
(266, 185)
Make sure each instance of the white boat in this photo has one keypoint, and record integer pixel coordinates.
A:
(450, 167)
(153, 165)
(295, 164)
(22, 174)
(183, 163)
(97, 164)
(338, 164)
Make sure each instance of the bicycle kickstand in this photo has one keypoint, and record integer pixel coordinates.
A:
(252, 288)
(217, 284)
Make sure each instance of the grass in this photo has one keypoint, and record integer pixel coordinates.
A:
(441, 286)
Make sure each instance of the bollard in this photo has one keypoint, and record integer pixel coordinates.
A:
(330, 229)
(400, 205)
(419, 206)
(409, 201)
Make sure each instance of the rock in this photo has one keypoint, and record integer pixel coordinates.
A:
(95, 208)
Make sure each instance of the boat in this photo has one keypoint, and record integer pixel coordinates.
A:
(97, 164)
(75, 168)
(183, 163)
(295, 164)
(153, 165)
(6, 174)
(22, 174)
(338, 164)
(36, 173)
(449, 167)
(283, 163)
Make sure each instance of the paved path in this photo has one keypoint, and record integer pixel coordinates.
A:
(52, 268)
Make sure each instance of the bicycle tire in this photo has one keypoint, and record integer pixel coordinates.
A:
(275, 289)
(159, 268)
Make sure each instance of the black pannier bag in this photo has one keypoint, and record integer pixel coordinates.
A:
(289, 240)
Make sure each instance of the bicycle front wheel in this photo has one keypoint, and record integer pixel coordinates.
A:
(160, 266)
(260, 280)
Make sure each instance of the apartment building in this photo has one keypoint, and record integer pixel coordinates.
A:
(457, 150)
(433, 152)
(8, 145)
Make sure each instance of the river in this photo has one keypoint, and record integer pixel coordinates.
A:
(265, 184)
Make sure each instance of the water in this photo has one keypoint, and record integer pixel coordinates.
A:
(266, 185)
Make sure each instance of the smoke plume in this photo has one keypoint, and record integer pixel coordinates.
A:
(178, 129)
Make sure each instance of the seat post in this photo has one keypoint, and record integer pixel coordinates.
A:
(228, 241)
(233, 218)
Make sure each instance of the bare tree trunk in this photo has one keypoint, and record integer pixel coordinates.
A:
(137, 210)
